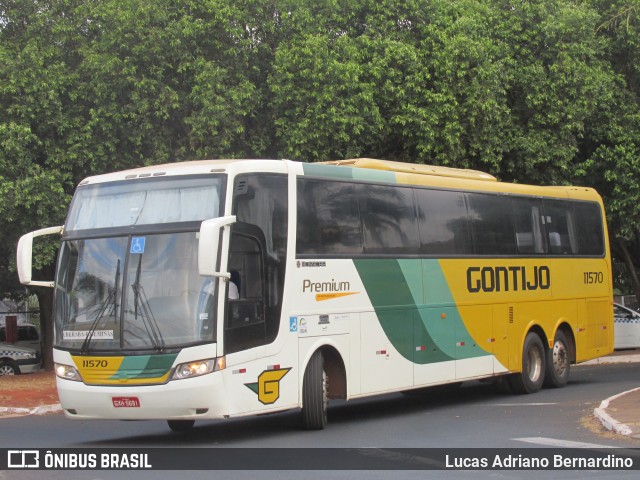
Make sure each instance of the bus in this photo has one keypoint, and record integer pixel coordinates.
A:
(225, 288)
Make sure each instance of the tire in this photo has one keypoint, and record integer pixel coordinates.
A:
(503, 385)
(315, 399)
(558, 362)
(8, 368)
(181, 425)
(534, 357)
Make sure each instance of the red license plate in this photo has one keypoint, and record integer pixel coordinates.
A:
(126, 402)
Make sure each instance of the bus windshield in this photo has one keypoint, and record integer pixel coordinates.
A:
(145, 202)
(136, 288)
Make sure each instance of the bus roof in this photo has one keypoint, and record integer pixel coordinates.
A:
(465, 179)
(414, 168)
(192, 167)
(404, 173)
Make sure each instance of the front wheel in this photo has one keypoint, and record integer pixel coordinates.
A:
(315, 395)
(558, 362)
(181, 425)
(8, 368)
(533, 366)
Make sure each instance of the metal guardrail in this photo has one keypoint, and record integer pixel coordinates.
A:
(629, 301)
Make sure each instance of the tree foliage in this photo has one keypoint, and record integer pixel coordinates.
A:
(535, 91)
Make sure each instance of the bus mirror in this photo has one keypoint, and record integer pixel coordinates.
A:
(25, 255)
(209, 244)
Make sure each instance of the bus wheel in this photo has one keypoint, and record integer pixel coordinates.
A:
(558, 362)
(181, 425)
(533, 366)
(315, 397)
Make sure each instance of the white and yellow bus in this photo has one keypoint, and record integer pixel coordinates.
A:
(217, 289)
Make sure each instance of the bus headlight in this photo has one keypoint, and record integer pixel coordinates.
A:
(199, 367)
(67, 372)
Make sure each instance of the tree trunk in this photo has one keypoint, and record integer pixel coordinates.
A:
(45, 300)
(631, 268)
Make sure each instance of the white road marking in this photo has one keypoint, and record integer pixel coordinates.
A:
(554, 442)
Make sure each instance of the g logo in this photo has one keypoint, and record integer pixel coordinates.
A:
(268, 385)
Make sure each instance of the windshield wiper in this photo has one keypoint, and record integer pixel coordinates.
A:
(141, 306)
(110, 301)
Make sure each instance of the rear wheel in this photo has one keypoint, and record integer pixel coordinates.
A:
(533, 366)
(315, 397)
(8, 368)
(181, 425)
(558, 362)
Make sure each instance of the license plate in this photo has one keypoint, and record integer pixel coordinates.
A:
(126, 402)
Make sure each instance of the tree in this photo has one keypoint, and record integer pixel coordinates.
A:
(536, 91)
(35, 110)
(89, 87)
(615, 161)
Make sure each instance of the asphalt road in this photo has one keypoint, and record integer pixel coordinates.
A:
(476, 415)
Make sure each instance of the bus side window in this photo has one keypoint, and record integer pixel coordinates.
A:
(526, 215)
(442, 222)
(491, 226)
(389, 223)
(245, 321)
(261, 208)
(561, 231)
(589, 226)
(328, 218)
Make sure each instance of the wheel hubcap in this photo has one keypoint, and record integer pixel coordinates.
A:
(535, 364)
(560, 358)
(325, 391)
(6, 371)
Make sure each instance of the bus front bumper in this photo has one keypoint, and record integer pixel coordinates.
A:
(191, 398)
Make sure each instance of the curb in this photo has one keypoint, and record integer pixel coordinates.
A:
(600, 413)
(632, 358)
(607, 420)
(41, 410)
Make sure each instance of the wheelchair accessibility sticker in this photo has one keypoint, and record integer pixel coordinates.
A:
(137, 245)
(268, 385)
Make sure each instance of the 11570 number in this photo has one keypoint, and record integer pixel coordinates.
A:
(591, 278)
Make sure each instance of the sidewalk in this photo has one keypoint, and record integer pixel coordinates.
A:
(621, 413)
(35, 394)
(28, 394)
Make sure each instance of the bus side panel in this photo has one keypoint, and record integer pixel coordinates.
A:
(414, 293)
(383, 367)
(354, 386)
(434, 360)
(468, 327)
(502, 315)
(472, 350)
(262, 383)
(543, 292)
(599, 331)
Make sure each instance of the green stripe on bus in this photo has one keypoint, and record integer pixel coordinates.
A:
(348, 173)
(144, 366)
(387, 283)
(330, 171)
(438, 293)
(422, 332)
(367, 175)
